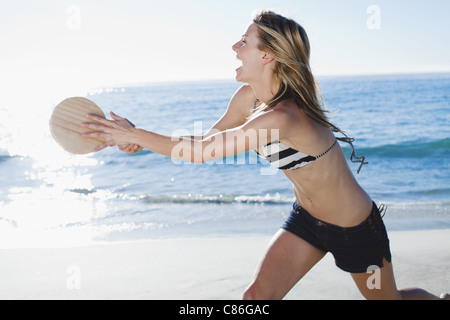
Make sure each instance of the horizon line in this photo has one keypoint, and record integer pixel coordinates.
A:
(355, 75)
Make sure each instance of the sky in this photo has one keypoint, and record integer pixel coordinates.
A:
(61, 44)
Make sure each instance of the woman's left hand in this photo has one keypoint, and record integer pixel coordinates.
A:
(114, 132)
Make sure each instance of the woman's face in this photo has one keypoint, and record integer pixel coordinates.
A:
(247, 51)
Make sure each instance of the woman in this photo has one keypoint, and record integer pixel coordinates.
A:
(281, 103)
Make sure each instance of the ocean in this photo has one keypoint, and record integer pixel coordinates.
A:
(49, 198)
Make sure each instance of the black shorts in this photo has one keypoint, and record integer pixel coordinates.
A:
(355, 249)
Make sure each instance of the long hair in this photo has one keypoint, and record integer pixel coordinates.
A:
(288, 42)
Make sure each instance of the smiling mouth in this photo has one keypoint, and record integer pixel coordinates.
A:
(238, 59)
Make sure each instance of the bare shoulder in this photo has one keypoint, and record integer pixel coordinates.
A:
(242, 100)
(237, 112)
(280, 117)
(287, 112)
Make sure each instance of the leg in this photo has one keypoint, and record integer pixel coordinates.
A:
(387, 288)
(286, 261)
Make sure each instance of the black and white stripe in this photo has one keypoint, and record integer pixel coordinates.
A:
(285, 158)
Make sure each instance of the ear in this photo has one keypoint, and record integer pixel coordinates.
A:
(267, 58)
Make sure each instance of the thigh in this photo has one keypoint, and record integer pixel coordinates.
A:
(378, 284)
(287, 259)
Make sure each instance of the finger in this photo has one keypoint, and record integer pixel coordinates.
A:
(95, 126)
(116, 117)
(128, 149)
(131, 150)
(104, 145)
(100, 147)
(100, 119)
(95, 134)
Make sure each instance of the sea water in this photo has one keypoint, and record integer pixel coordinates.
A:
(51, 198)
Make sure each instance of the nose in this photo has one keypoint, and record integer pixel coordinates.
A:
(235, 46)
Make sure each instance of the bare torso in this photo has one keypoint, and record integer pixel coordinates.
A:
(326, 188)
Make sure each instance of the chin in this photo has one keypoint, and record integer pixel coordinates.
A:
(239, 77)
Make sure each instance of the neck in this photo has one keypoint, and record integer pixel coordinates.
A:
(265, 88)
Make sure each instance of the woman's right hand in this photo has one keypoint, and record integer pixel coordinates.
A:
(130, 148)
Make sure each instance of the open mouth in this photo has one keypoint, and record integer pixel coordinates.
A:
(239, 64)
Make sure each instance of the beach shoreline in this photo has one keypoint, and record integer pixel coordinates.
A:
(201, 269)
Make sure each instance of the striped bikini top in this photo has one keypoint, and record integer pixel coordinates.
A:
(285, 158)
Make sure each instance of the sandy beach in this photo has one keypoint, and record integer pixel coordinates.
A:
(194, 269)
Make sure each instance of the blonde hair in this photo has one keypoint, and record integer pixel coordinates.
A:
(288, 42)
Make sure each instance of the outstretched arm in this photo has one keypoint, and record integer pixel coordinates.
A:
(261, 130)
(238, 109)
